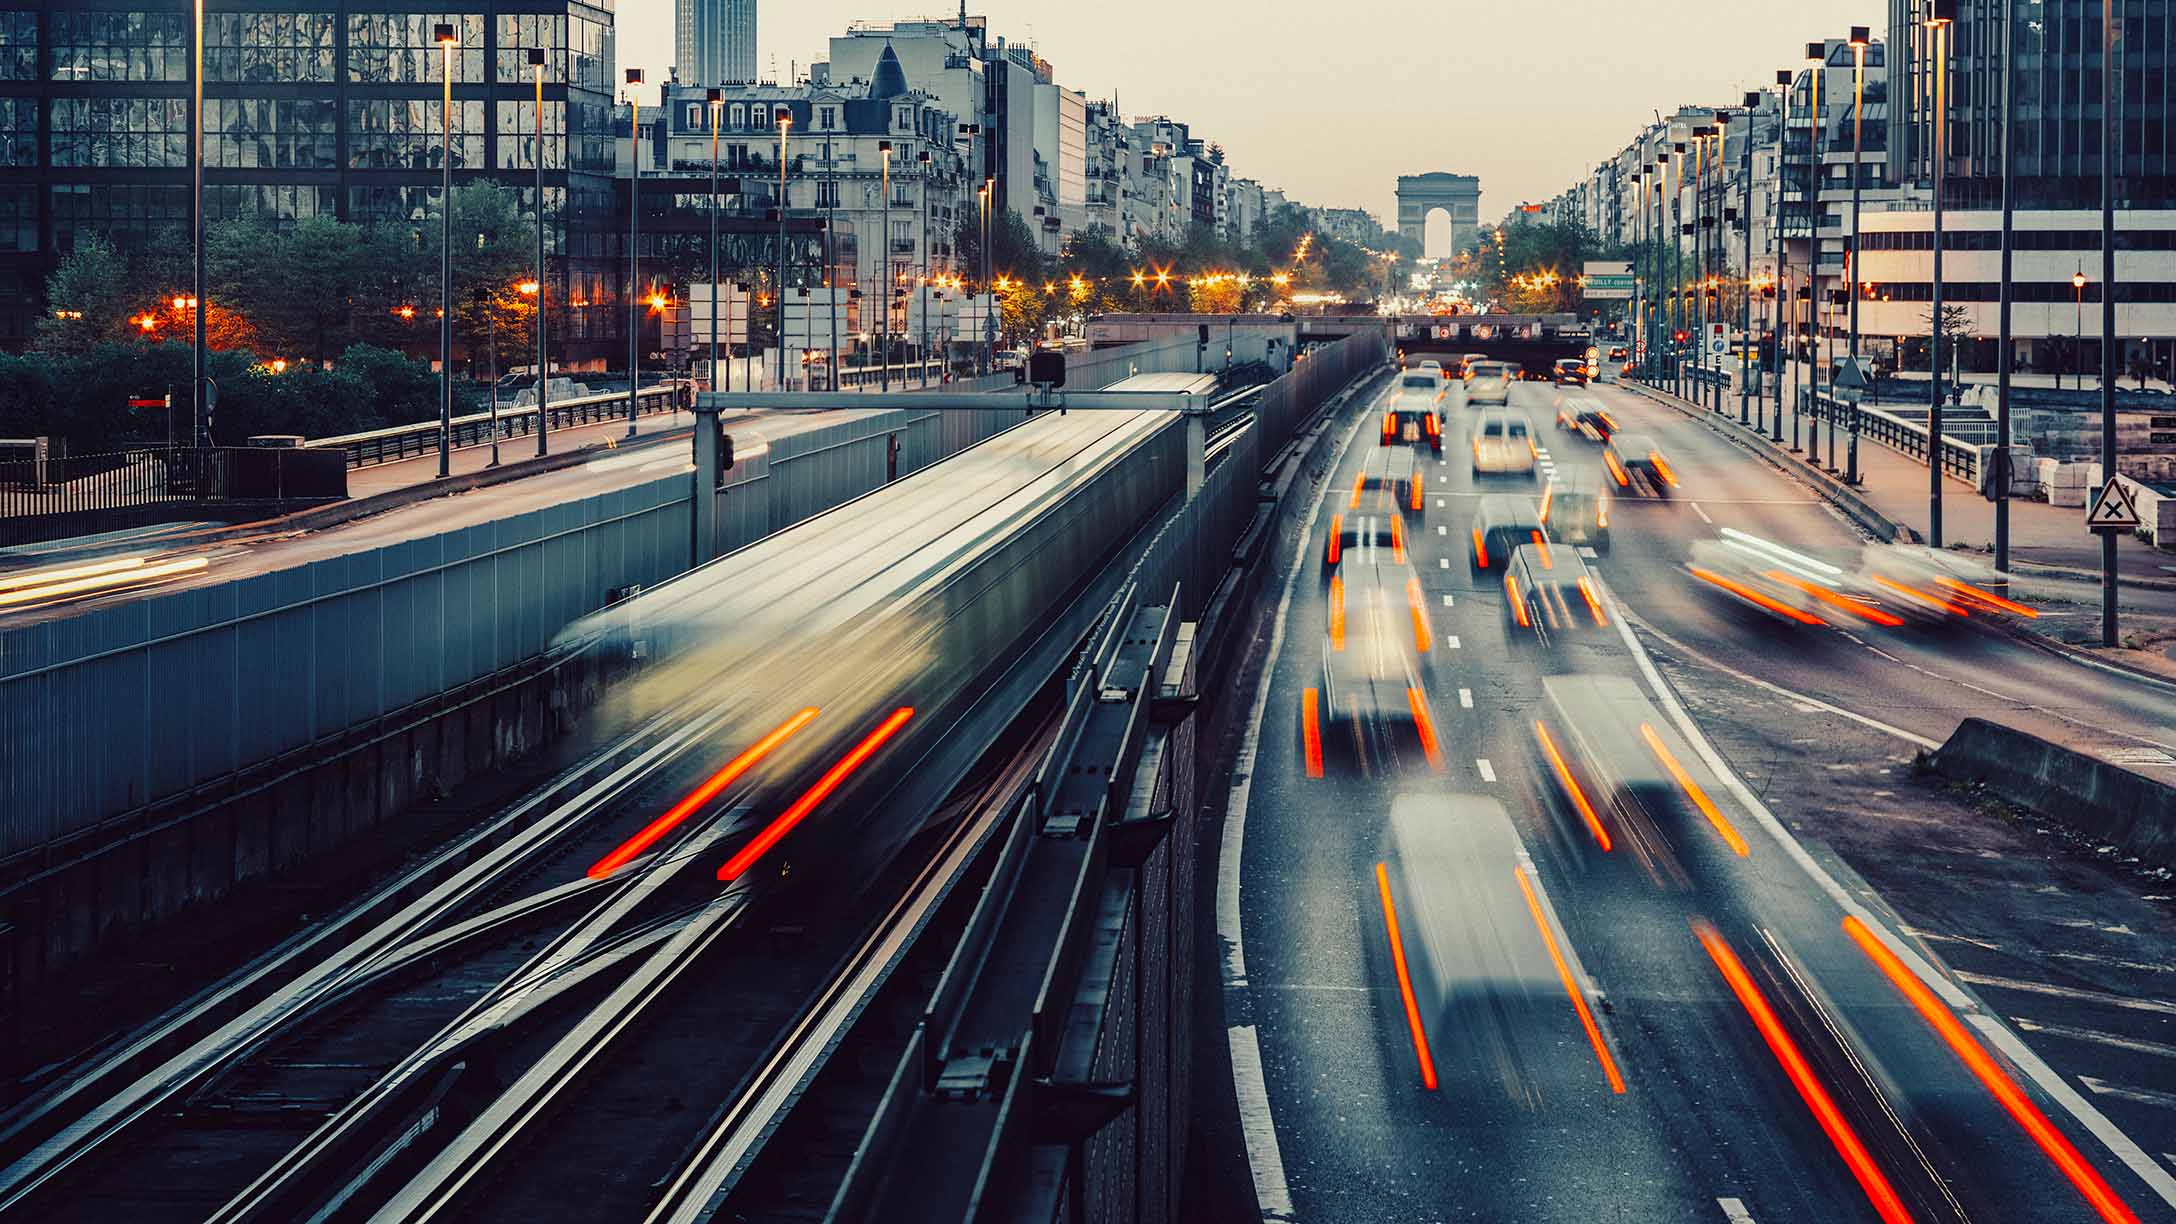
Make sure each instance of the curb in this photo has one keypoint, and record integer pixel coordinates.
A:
(2089, 658)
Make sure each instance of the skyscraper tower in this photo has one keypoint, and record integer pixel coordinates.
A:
(714, 41)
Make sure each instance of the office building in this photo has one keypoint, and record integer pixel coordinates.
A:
(714, 41)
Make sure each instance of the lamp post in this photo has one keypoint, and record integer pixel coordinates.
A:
(197, 436)
(1939, 24)
(1782, 277)
(1677, 268)
(989, 270)
(634, 245)
(884, 250)
(2077, 289)
(785, 125)
(2004, 295)
(2107, 309)
(1817, 57)
(446, 43)
(921, 346)
(1860, 39)
(716, 99)
(1745, 334)
(543, 371)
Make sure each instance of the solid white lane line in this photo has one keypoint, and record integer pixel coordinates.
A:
(1702, 513)
(2144, 1096)
(1271, 1191)
(1453, 642)
(2099, 998)
(1787, 694)
(1488, 771)
(2001, 696)
(1734, 1211)
(2012, 1046)
(2133, 1044)
(1465, 699)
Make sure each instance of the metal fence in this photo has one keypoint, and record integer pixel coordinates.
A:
(1960, 458)
(45, 498)
(409, 441)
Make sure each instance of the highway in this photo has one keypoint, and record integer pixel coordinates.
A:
(1462, 983)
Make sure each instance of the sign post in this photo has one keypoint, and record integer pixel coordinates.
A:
(1851, 383)
(2113, 512)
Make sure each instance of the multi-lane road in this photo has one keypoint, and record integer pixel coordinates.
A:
(1793, 984)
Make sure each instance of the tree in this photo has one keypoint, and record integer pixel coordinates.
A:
(86, 298)
(1956, 331)
(297, 285)
(1014, 251)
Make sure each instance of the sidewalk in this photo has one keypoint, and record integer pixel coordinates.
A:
(406, 473)
(2041, 536)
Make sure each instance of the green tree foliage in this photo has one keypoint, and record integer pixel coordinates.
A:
(87, 299)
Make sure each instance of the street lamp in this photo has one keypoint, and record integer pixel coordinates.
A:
(884, 249)
(446, 44)
(1817, 61)
(785, 125)
(716, 98)
(1860, 38)
(1941, 19)
(1745, 326)
(634, 244)
(2077, 287)
(197, 377)
(922, 345)
(543, 371)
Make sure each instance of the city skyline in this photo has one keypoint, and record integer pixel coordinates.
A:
(1269, 112)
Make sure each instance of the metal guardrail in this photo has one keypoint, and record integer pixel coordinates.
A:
(399, 442)
(1960, 458)
(48, 498)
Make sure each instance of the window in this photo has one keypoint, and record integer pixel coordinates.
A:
(18, 218)
(829, 119)
(591, 48)
(130, 215)
(397, 48)
(132, 132)
(120, 46)
(590, 135)
(391, 205)
(264, 47)
(269, 133)
(18, 131)
(517, 135)
(282, 206)
(18, 45)
(403, 134)
(759, 115)
(738, 116)
(519, 32)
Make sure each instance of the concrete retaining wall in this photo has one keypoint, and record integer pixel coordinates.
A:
(2106, 802)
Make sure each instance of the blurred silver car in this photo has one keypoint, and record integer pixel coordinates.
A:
(1503, 442)
(1490, 383)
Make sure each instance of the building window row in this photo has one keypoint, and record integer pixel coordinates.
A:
(268, 47)
(398, 48)
(132, 216)
(519, 33)
(2021, 240)
(139, 133)
(517, 144)
(18, 45)
(18, 218)
(281, 205)
(18, 131)
(2022, 291)
(404, 134)
(120, 46)
(271, 133)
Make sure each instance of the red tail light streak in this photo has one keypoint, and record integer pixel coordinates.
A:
(1420, 615)
(739, 864)
(1571, 787)
(1518, 605)
(1359, 486)
(1752, 596)
(1989, 598)
(1416, 486)
(1336, 546)
(1541, 544)
(1992, 1077)
(1480, 549)
(1337, 613)
(1397, 539)
(1616, 470)
(1571, 988)
(1879, 1192)
(1693, 791)
(709, 790)
(1311, 730)
(1863, 611)
(1405, 980)
(1594, 603)
(1425, 724)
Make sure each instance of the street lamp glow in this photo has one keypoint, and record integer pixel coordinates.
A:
(2077, 282)
(527, 288)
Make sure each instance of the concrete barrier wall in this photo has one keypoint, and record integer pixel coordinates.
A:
(2106, 802)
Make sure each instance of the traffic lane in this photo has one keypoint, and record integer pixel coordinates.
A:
(1360, 1138)
(1761, 895)
(1925, 681)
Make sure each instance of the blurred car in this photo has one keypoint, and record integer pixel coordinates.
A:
(1433, 366)
(1468, 361)
(1489, 383)
(1503, 442)
(1617, 362)
(1415, 411)
(1630, 455)
(1369, 711)
(1618, 759)
(1585, 417)
(1549, 593)
(1575, 508)
(1779, 583)
(1372, 521)
(1569, 372)
(1932, 586)
(1502, 522)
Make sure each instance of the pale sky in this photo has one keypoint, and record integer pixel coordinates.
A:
(1525, 93)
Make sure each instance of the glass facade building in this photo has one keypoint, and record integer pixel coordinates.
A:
(2057, 60)
(311, 107)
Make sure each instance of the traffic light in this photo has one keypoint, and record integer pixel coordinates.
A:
(1681, 337)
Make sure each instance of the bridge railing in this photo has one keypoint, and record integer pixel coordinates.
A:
(1960, 459)
(391, 445)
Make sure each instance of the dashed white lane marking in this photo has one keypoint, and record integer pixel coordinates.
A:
(1488, 771)
(2097, 997)
(1447, 602)
(1439, 503)
(1702, 513)
(2133, 1044)
(1452, 641)
(1587, 551)
(1442, 530)
(1734, 1211)
(2144, 1096)
(1465, 699)
(1443, 563)
(2004, 1038)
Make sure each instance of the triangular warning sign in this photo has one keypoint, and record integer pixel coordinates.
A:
(1849, 377)
(2113, 510)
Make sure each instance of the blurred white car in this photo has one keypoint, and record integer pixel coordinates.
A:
(1503, 442)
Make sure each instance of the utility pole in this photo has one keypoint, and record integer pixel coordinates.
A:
(543, 372)
(1860, 38)
(1817, 55)
(2004, 295)
(785, 125)
(1939, 37)
(634, 245)
(884, 249)
(1745, 218)
(2108, 342)
(1782, 281)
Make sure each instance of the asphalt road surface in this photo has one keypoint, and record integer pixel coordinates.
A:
(1520, 943)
